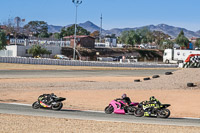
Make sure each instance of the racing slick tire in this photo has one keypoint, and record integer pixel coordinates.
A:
(57, 106)
(36, 105)
(164, 113)
(131, 110)
(109, 109)
(139, 112)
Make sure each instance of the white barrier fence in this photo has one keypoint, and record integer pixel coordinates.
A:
(46, 61)
(6, 53)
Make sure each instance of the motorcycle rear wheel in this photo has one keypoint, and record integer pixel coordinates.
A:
(164, 113)
(57, 106)
(36, 105)
(131, 110)
(109, 109)
(139, 112)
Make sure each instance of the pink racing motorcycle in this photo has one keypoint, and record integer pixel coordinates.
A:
(119, 107)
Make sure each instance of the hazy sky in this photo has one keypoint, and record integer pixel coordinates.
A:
(116, 13)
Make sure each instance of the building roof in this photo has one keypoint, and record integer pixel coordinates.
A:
(79, 36)
(194, 38)
(2, 27)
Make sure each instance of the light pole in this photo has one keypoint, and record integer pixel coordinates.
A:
(76, 3)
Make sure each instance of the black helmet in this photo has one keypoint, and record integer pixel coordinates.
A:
(152, 98)
(124, 95)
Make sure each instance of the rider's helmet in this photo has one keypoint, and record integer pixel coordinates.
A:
(124, 95)
(152, 98)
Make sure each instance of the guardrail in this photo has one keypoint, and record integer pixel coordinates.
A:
(46, 61)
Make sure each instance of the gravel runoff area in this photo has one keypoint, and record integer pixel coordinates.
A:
(30, 124)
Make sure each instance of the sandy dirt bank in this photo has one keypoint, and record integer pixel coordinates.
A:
(30, 124)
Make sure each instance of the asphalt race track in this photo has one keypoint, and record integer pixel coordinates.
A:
(98, 116)
(79, 73)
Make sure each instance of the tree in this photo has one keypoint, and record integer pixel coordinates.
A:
(182, 40)
(96, 35)
(37, 50)
(10, 28)
(130, 37)
(197, 43)
(168, 44)
(43, 35)
(57, 35)
(37, 28)
(70, 31)
(2, 40)
(160, 37)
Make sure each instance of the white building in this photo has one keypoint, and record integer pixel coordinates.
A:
(22, 50)
(110, 42)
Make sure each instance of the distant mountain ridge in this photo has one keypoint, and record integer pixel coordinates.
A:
(53, 28)
(167, 29)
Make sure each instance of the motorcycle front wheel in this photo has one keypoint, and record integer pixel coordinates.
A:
(57, 106)
(139, 112)
(164, 113)
(36, 105)
(109, 109)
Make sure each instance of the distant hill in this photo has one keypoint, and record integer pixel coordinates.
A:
(198, 32)
(53, 28)
(89, 26)
(167, 29)
(170, 30)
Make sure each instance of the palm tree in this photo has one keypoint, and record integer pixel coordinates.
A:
(37, 50)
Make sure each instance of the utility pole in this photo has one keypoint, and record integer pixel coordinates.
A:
(17, 21)
(100, 29)
(76, 3)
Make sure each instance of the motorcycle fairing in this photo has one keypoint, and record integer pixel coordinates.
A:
(117, 107)
(43, 104)
(134, 104)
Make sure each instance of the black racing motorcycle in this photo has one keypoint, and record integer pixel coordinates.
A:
(150, 110)
(50, 101)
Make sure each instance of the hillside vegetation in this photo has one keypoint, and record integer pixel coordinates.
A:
(90, 54)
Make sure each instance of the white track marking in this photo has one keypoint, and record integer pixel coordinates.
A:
(191, 118)
(20, 104)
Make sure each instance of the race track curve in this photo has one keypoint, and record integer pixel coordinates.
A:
(93, 115)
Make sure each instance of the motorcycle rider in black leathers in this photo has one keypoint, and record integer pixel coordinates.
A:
(125, 99)
(48, 98)
(156, 104)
